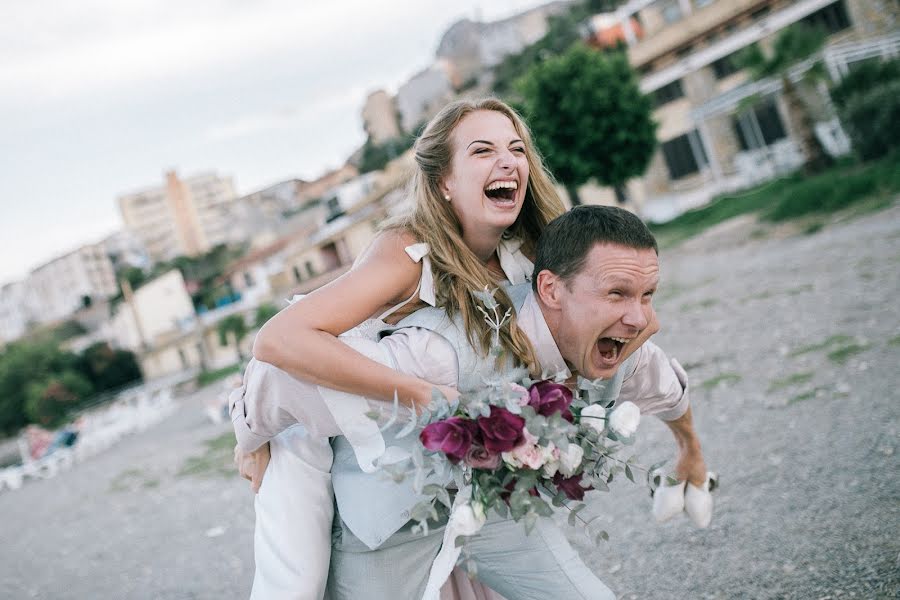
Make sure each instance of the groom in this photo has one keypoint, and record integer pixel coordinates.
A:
(596, 270)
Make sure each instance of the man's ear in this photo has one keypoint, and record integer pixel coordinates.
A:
(549, 289)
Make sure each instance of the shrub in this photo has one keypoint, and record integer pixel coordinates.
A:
(872, 120)
(864, 77)
(48, 402)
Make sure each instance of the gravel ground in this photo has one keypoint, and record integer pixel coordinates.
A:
(792, 343)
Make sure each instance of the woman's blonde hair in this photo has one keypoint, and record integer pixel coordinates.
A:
(458, 272)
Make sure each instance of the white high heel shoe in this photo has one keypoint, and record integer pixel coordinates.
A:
(698, 502)
(671, 500)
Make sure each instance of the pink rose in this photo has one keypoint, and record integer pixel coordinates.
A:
(529, 455)
(478, 457)
(451, 436)
(502, 430)
(547, 398)
(524, 397)
(570, 486)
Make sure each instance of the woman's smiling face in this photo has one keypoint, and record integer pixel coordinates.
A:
(489, 173)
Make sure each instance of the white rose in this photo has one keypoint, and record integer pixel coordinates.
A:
(551, 460)
(594, 416)
(625, 418)
(570, 460)
(466, 521)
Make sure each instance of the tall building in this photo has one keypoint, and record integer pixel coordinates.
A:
(57, 289)
(711, 140)
(182, 217)
(380, 117)
(15, 315)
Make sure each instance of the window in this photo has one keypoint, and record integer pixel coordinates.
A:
(297, 277)
(759, 14)
(725, 66)
(310, 270)
(684, 155)
(832, 18)
(667, 93)
(248, 279)
(763, 121)
(671, 11)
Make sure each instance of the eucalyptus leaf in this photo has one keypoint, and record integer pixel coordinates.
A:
(573, 514)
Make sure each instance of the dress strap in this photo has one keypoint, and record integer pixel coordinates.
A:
(425, 288)
(515, 265)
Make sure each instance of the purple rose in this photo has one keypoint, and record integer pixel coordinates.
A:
(502, 431)
(570, 486)
(547, 397)
(451, 436)
(479, 458)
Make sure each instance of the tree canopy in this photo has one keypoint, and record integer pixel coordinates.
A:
(589, 118)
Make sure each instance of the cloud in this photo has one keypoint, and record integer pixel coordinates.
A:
(154, 42)
(340, 102)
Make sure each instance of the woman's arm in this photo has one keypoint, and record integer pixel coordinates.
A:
(302, 338)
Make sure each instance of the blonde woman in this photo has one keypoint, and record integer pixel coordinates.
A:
(481, 199)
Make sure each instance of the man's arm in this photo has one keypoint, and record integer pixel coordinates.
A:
(659, 386)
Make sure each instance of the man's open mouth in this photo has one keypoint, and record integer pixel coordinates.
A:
(502, 192)
(610, 348)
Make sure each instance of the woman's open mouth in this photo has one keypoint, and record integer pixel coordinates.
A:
(502, 193)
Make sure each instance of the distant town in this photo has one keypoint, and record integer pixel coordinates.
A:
(197, 267)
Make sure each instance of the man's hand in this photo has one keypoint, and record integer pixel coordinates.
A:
(252, 465)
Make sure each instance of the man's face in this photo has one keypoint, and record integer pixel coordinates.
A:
(604, 307)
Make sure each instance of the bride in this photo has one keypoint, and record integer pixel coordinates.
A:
(481, 199)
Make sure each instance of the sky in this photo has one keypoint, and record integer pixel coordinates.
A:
(101, 97)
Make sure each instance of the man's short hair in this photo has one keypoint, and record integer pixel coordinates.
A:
(567, 239)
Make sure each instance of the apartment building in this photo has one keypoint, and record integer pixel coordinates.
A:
(380, 117)
(15, 315)
(718, 130)
(182, 216)
(59, 288)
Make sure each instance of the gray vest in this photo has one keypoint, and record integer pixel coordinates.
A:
(373, 506)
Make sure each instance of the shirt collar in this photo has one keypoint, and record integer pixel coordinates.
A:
(531, 321)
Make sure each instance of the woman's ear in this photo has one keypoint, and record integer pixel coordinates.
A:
(446, 188)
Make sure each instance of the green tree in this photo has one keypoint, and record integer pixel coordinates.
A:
(377, 156)
(589, 118)
(264, 312)
(868, 103)
(792, 46)
(49, 401)
(236, 327)
(108, 369)
(22, 364)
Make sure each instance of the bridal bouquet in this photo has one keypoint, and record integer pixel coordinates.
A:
(517, 446)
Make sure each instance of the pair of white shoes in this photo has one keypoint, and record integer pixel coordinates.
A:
(670, 500)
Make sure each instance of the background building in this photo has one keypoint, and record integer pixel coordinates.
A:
(380, 118)
(14, 313)
(183, 217)
(718, 129)
(57, 289)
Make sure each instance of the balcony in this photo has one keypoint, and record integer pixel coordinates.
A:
(692, 26)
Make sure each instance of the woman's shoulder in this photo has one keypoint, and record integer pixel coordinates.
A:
(386, 259)
(392, 242)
